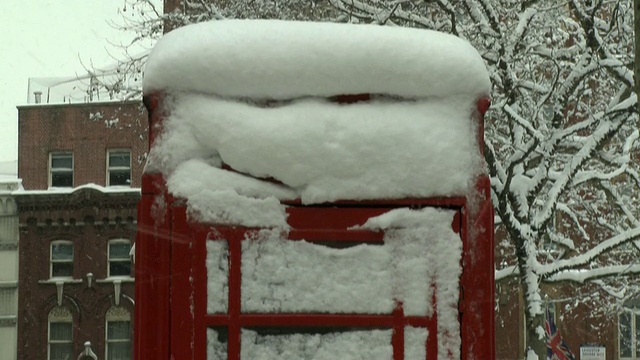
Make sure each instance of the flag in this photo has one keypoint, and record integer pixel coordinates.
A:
(557, 349)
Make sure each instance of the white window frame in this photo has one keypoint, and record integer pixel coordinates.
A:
(117, 168)
(635, 337)
(53, 261)
(110, 260)
(61, 170)
(58, 314)
(115, 314)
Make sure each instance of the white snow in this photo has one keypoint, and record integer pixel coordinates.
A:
(414, 343)
(283, 60)
(415, 138)
(248, 125)
(282, 276)
(349, 345)
(318, 151)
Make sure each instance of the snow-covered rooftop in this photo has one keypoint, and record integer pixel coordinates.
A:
(286, 59)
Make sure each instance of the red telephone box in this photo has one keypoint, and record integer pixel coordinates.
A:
(391, 277)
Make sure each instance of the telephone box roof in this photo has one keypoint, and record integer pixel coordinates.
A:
(288, 59)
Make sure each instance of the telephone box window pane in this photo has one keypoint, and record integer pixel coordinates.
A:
(216, 345)
(362, 344)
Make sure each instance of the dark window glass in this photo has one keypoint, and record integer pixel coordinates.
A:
(119, 177)
(61, 260)
(119, 168)
(118, 340)
(119, 259)
(61, 170)
(60, 341)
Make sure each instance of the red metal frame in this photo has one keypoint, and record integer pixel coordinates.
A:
(171, 274)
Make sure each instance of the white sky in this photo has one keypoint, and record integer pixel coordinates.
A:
(48, 38)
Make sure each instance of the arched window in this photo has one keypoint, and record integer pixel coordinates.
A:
(119, 258)
(118, 334)
(60, 338)
(61, 259)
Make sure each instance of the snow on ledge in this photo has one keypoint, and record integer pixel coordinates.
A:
(286, 59)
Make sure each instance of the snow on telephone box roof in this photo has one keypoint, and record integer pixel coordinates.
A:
(288, 59)
(251, 95)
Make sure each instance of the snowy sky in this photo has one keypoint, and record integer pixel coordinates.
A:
(49, 38)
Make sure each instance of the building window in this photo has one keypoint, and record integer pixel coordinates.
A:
(61, 259)
(61, 170)
(60, 334)
(119, 258)
(119, 168)
(8, 301)
(628, 331)
(118, 334)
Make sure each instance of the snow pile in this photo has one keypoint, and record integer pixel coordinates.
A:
(349, 345)
(415, 138)
(282, 276)
(283, 60)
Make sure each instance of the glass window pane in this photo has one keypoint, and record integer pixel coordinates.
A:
(61, 251)
(60, 331)
(625, 331)
(60, 161)
(62, 269)
(635, 337)
(119, 177)
(118, 330)
(119, 268)
(119, 159)
(61, 351)
(62, 179)
(119, 250)
(119, 351)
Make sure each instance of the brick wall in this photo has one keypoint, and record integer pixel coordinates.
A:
(88, 219)
(88, 130)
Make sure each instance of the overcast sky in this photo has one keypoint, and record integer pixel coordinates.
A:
(49, 38)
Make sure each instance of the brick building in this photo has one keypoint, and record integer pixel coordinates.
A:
(80, 167)
(8, 266)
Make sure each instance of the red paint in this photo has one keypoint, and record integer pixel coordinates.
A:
(171, 284)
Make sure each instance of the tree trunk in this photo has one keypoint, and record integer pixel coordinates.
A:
(636, 63)
(537, 344)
